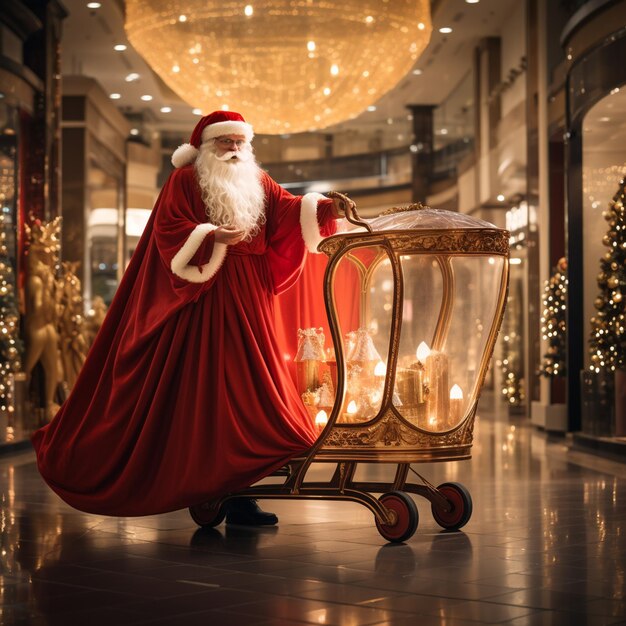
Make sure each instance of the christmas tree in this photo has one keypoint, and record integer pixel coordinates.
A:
(553, 322)
(10, 344)
(608, 341)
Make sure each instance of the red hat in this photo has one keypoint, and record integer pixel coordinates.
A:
(210, 126)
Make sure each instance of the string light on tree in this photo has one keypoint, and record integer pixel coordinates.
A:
(553, 324)
(608, 340)
(10, 344)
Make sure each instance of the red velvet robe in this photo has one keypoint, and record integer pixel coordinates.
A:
(185, 395)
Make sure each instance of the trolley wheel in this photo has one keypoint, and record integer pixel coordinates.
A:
(206, 515)
(407, 516)
(461, 511)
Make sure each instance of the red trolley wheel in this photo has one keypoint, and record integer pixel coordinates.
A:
(406, 515)
(206, 515)
(459, 497)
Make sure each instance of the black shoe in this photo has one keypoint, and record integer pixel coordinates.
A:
(246, 512)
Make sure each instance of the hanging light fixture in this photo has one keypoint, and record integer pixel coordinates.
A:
(286, 65)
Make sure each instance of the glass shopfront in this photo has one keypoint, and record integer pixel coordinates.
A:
(595, 165)
(604, 169)
(13, 426)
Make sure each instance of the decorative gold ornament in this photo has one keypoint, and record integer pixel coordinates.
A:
(613, 282)
(286, 65)
(598, 303)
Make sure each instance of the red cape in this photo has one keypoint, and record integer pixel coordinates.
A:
(184, 395)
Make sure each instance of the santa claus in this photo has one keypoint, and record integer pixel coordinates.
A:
(184, 396)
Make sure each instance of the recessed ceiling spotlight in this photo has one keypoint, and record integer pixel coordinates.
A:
(115, 96)
(371, 108)
(248, 10)
(166, 109)
(197, 111)
(120, 47)
(94, 5)
(146, 97)
(443, 131)
(132, 77)
(445, 30)
(182, 18)
(614, 91)
(500, 198)
(134, 131)
(421, 26)
(417, 72)
(472, 1)
(605, 119)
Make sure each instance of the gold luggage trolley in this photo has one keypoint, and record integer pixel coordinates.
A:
(411, 353)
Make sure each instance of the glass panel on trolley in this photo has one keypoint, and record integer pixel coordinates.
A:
(363, 290)
(446, 324)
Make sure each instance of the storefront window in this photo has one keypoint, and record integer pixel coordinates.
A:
(604, 168)
(12, 422)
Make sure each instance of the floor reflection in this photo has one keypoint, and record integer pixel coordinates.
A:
(545, 544)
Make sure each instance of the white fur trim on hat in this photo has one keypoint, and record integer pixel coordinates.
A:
(231, 127)
(180, 263)
(308, 220)
(183, 155)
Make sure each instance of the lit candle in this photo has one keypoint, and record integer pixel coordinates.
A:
(422, 353)
(351, 412)
(456, 404)
(321, 419)
(436, 379)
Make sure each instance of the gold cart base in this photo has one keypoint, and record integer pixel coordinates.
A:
(395, 512)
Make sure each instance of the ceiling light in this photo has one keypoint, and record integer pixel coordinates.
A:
(445, 30)
(182, 18)
(248, 10)
(134, 131)
(334, 70)
(417, 72)
(268, 82)
(93, 5)
(166, 109)
(605, 119)
(132, 77)
(371, 108)
(197, 111)
(472, 1)
(146, 97)
(115, 96)
(120, 47)
(443, 131)
(614, 91)
(500, 198)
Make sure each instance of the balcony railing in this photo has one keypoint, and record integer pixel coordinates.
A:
(388, 168)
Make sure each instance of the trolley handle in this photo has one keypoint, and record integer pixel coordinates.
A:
(349, 209)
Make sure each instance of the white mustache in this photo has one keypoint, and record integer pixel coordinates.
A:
(241, 155)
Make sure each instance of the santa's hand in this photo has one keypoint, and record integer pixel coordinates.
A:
(229, 235)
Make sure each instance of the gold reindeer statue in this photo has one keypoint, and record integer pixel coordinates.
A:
(40, 323)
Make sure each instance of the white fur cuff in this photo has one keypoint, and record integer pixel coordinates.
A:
(308, 220)
(180, 263)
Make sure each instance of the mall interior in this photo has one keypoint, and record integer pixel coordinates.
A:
(481, 142)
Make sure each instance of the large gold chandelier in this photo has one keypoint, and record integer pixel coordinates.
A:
(286, 65)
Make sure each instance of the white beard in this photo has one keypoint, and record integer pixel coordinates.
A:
(231, 189)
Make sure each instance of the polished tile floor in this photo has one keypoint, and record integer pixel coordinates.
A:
(546, 545)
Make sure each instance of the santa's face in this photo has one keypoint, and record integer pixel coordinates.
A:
(232, 148)
(230, 181)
